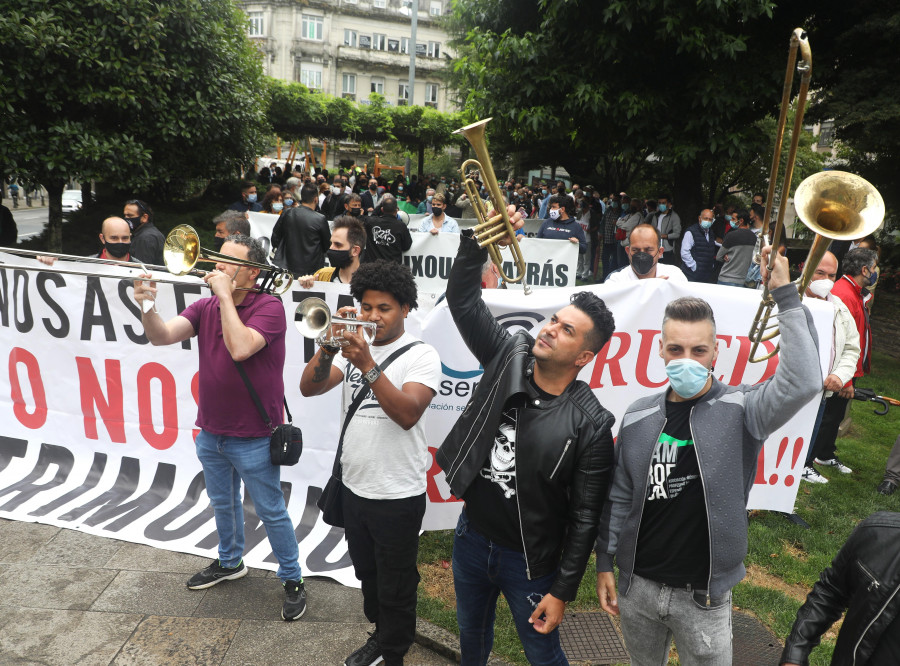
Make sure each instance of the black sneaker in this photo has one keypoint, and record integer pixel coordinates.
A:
(887, 487)
(368, 655)
(215, 573)
(294, 600)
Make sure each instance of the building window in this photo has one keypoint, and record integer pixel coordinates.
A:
(350, 38)
(348, 86)
(826, 134)
(350, 2)
(431, 94)
(394, 46)
(379, 42)
(403, 94)
(379, 4)
(377, 85)
(257, 26)
(404, 45)
(311, 27)
(435, 8)
(434, 49)
(311, 76)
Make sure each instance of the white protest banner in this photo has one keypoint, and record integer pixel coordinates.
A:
(548, 263)
(98, 426)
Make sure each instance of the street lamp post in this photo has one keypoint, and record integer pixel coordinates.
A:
(413, 6)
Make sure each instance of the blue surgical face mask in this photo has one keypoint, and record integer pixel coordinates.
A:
(288, 203)
(277, 206)
(734, 224)
(687, 377)
(873, 278)
(706, 224)
(251, 198)
(662, 207)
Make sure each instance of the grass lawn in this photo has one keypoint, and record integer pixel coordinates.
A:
(784, 560)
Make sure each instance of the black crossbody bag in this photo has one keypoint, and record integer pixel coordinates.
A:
(286, 441)
(331, 503)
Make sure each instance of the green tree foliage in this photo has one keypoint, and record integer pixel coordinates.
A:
(622, 86)
(139, 92)
(296, 112)
(855, 73)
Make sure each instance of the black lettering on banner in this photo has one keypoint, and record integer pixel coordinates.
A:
(446, 387)
(132, 306)
(90, 482)
(446, 264)
(562, 280)
(158, 530)
(111, 504)
(534, 273)
(416, 267)
(10, 448)
(49, 454)
(58, 280)
(4, 298)
(430, 266)
(23, 302)
(180, 304)
(547, 274)
(93, 295)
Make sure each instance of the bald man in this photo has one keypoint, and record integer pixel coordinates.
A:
(115, 236)
(644, 252)
(699, 248)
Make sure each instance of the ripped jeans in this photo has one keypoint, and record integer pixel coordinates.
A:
(481, 571)
(652, 613)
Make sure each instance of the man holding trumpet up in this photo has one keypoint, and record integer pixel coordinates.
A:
(387, 386)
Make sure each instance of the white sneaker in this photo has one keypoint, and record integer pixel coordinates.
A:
(810, 474)
(834, 462)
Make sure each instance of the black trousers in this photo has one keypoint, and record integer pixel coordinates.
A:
(383, 540)
(835, 409)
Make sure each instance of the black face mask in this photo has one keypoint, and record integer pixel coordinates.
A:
(437, 210)
(117, 249)
(338, 258)
(642, 262)
(133, 222)
(373, 188)
(355, 212)
(218, 243)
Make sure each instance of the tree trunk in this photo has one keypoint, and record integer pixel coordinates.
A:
(687, 192)
(54, 189)
(86, 200)
(421, 160)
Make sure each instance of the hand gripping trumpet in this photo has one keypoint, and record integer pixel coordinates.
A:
(490, 230)
(314, 320)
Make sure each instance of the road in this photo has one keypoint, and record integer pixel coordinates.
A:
(30, 221)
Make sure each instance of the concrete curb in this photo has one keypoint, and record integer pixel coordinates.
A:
(445, 643)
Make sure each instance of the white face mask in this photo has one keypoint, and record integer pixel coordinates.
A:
(554, 214)
(821, 288)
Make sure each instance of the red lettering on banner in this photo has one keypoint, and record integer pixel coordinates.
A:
(111, 409)
(740, 361)
(169, 434)
(195, 391)
(38, 417)
(644, 352)
(771, 364)
(760, 478)
(615, 368)
(431, 488)
(788, 479)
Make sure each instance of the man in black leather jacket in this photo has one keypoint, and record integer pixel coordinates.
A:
(301, 236)
(531, 456)
(864, 578)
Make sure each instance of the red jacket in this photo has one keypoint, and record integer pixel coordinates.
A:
(852, 296)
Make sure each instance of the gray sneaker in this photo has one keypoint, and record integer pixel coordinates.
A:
(214, 574)
(834, 462)
(294, 600)
(812, 475)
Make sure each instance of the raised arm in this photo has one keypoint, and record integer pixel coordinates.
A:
(158, 331)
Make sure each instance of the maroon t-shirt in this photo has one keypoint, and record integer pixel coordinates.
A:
(226, 407)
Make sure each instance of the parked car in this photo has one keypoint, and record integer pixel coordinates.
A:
(71, 201)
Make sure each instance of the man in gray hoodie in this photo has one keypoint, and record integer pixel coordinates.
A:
(676, 520)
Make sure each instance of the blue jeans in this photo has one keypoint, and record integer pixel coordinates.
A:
(226, 462)
(609, 258)
(652, 613)
(730, 284)
(481, 571)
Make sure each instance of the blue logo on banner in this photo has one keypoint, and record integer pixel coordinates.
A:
(461, 374)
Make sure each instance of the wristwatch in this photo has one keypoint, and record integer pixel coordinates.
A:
(372, 374)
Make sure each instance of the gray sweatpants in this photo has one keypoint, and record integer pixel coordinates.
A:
(892, 469)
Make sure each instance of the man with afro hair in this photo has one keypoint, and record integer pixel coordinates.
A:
(384, 458)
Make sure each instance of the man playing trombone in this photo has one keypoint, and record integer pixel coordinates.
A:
(237, 325)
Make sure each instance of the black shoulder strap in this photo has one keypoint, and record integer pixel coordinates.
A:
(357, 401)
(256, 400)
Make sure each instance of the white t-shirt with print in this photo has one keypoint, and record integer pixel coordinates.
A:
(381, 460)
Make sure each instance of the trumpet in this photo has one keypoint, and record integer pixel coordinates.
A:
(314, 320)
(490, 230)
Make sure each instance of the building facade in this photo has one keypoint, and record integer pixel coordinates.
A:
(351, 48)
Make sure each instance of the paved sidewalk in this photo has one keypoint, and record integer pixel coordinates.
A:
(71, 598)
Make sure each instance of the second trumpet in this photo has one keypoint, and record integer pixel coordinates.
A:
(314, 320)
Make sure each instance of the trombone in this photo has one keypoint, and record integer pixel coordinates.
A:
(313, 319)
(833, 204)
(181, 253)
(490, 230)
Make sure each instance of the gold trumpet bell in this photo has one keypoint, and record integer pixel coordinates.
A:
(839, 205)
(181, 249)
